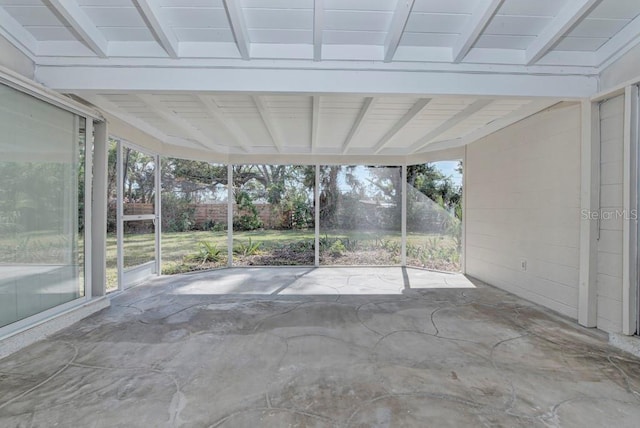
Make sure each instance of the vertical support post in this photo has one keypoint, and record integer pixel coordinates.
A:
(119, 215)
(403, 219)
(316, 195)
(629, 201)
(88, 202)
(99, 210)
(71, 199)
(158, 214)
(589, 204)
(463, 231)
(230, 215)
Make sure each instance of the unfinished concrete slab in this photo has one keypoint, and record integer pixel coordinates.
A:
(327, 347)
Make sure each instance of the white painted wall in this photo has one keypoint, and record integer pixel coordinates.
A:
(15, 60)
(622, 70)
(609, 264)
(523, 202)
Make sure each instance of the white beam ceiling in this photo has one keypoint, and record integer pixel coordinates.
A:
(620, 43)
(398, 24)
(190, 130)
(485, 11)
(448, 124)
(417, 108)
(346, 70)
(75, 16)
(238, 27)
(318, 28)
(484, 33)
(150, 11)
(513, 117)
(338, 125)
(227, 123)
(268, 122)
(114, 110)
(569, 15)
(367, 107)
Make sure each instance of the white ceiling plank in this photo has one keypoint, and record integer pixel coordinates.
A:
(256, 80)
(17, 34)
(109, 107)
(449, 123)
(229, 125)
(238, 27)
(472, 31)
(318, 27)
(152, 104)
(366, 109)
(417, 108)
(315, 122)
(396, 29)
(495, 126)
(150, 11)
(73, 14)
(268, 122)
(628, 37)
(568, 16)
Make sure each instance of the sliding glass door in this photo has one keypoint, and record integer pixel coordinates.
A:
(42, 164)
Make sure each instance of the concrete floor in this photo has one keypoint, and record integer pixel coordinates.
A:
(346, 347)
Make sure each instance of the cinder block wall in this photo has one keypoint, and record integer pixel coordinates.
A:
(523, 205)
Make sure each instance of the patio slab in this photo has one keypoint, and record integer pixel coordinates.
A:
(327, 347)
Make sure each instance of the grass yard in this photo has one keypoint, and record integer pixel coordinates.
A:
(183, 251)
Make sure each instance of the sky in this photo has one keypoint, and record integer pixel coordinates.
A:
(449, 168)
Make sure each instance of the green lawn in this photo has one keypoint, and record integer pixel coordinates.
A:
(356, 247)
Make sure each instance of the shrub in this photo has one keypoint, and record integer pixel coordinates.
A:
(178, 215)
(247, 218)
(248, 249)
(207, 252)
(337, 248)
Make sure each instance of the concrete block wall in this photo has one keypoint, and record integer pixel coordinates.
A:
(523, 205)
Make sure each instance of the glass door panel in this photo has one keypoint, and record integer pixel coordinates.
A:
(137, 234)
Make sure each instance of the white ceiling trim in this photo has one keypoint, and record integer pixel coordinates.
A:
(396, 29)
(448, 124)
(314, 81)
(73, 14)
(318, 28)
(417, 108)
(569, 16)
(478, 21)
(232, 60)
(238, 27)
(366, 109)
(268, 122)
(150, 11)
